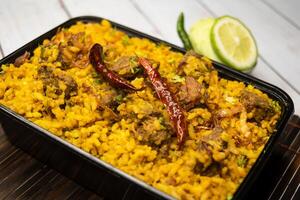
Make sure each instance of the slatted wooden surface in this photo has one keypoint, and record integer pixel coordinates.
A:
(23, 177)
(274, 23)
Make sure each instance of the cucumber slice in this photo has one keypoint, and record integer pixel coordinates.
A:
(199, 35)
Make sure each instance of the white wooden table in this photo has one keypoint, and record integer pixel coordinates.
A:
(274, 23)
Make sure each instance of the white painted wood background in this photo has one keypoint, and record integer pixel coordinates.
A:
(274, 23)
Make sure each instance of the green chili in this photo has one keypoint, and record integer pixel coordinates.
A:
(182, 33)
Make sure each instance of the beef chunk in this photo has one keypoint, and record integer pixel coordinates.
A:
(189, 93)
(127, 66)
(262, 107)
(74, 53)
(72, 87)
(213, 169)
(151, 135)
(251, 100)
(22, 59)
(49, 80)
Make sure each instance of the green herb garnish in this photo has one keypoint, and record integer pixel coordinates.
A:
(125, 40)
(177, 79)
(119, 98)
(242, 160)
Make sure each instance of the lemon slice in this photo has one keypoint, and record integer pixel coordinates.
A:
(199, 35)
(233, 43)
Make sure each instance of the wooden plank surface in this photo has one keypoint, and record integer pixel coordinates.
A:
(123, 12)
(278, 41)
(275, 24)
(24, 20)
(288, 9)
(194, 11)
(23, 177)
(167, 24)
(141, 15)
(1, 52)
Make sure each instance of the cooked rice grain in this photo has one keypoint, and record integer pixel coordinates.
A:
(59, 90)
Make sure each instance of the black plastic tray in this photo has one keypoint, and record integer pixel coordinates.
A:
(98, 176)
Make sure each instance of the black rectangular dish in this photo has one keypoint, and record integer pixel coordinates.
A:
(98, 176)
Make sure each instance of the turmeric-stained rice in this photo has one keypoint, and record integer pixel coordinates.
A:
(228, 122)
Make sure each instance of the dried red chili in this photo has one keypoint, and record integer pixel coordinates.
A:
(164, 94)
(98, 63)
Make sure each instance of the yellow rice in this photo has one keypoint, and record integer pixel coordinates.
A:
(94, 130)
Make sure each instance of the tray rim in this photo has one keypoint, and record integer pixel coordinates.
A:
(270, 89)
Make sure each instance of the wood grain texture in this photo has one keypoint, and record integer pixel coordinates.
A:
(288, 9)
(141, 15)
(286, 186)
(276, 28)
(166, 23)
(119, 11)
(25, 20)
(278, 41)
(263, 72)
(23, 177)
(194, 11)
(1, 52)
